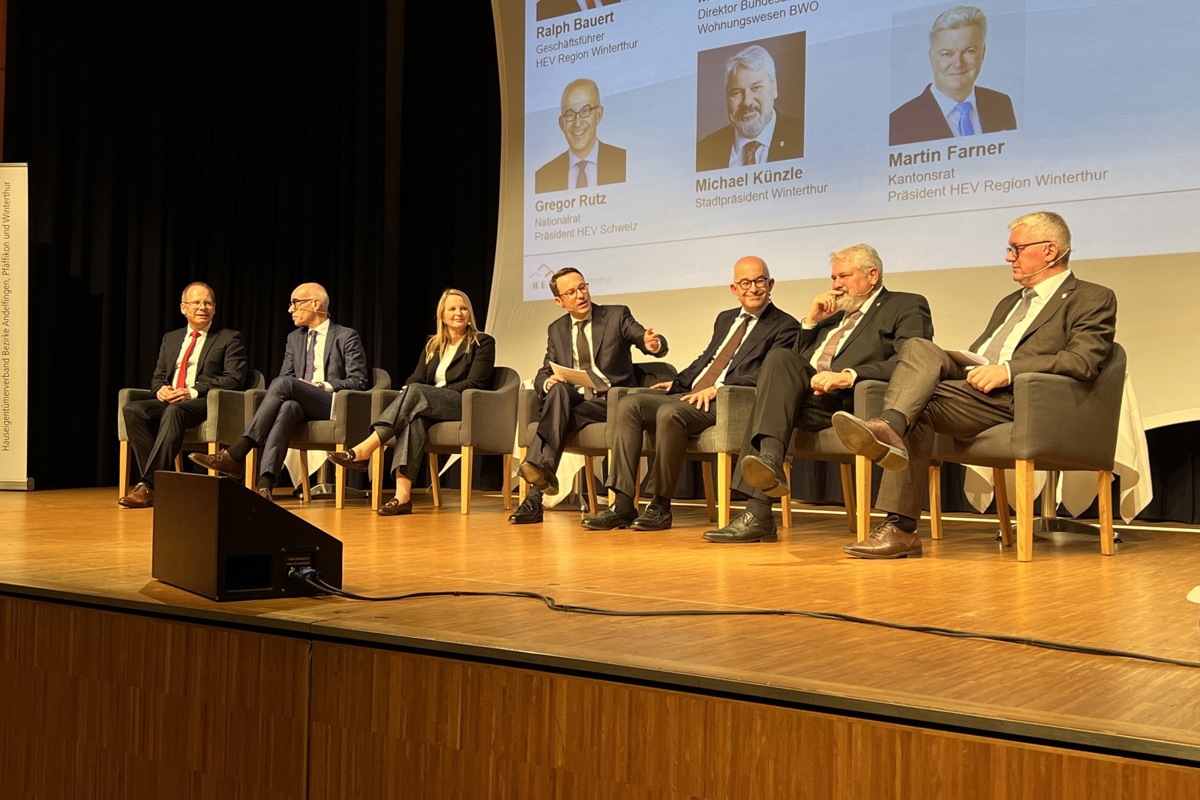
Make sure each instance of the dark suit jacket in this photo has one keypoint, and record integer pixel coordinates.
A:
(614, 331)
(712, 152)
(470, 369)
(1071, 336)
(775, 328)
(921, 119)
(871, 351)
(548, 9)
(221, 364)
(345, 360)
(552, 176)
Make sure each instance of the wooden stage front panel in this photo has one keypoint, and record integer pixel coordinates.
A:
(503, 693)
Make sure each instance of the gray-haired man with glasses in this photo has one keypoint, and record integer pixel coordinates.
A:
(191, 361)
(588, 162)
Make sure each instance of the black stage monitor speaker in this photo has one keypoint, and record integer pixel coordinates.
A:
(215, 537)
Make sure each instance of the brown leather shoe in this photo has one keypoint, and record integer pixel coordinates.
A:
(263, 491)
(872, 438)
(142, 496)
(345, 458)
(886, 541)
(222, 462)
(394, 507)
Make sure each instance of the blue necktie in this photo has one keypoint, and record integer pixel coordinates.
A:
(965, 128)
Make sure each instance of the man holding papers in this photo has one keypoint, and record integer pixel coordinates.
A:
(1055, 324)
(594, 340)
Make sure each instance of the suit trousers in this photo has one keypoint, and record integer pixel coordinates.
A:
(673, 422)
(406, 420)
(156, 431)
(932, 392)
(783, 402)
(564, 411)
(289, 402)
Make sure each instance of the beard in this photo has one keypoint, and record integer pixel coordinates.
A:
(848, 302)
(749, 121)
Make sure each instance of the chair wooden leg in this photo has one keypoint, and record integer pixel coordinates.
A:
(376, 468)
(506, 482)
(522, 486)
(213, 449)
(306, 490)
(785, 502)
(637, 486)
(339, 483)
(465, 460)
(1108, 544)
(1024, 510)
(611, 494)
(935, 502)
(434, 483)
(123, 470)
(724, 486)
(862, 495)
(589, 479)
(251, 469)
(179, 462)
(848, 496)
(711, 493)
(1000, 488)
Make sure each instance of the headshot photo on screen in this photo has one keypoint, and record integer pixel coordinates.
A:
(587, 161)
(953, 105)
(757, 131)
(549, 9)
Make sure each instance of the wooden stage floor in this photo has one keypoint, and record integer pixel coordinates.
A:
(79, 546)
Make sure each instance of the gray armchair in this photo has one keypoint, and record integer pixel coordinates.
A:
(488, 420)
(351, 416)
(590, 440)
(1059, 424)
(224, 424)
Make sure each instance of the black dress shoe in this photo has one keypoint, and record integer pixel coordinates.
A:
(608, 519)
(345, 458)
(394, 508)
(745, 527)
(142, 496)
(222, 462)
(656, 518)
(540, 476)
(764, 473)
(528, 512)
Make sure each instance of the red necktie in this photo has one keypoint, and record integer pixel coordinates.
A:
(181, 379)
(721, 362)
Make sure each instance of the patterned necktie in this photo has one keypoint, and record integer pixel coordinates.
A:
(585, 360)
(181, 379)
(965, 128)
(825, 362)
(581, 180)
(310, 357)
(749, 150)
(719, 364)
(992, 353)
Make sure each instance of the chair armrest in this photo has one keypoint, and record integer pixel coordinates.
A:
(488, 417)
(1054, 416)
(868, 398)
(124, 397)
(228, 408)
(351, 413)
(735, 406)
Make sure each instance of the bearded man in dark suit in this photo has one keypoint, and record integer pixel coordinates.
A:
(852, 332)
(191, 361)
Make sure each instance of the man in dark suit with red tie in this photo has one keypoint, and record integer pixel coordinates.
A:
(852, 332)
(742, 337)
(595, 340)
(321, 358)
(1055, 324)
(191, 362)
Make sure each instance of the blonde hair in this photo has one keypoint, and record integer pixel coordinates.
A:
(437, 344)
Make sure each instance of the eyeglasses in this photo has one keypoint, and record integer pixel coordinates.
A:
(200, 304)
(296, 301)
(1015, 249)
(585, 112)
(575, 292)
(745, 284)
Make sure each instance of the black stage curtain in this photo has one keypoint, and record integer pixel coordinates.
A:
(251, 145)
